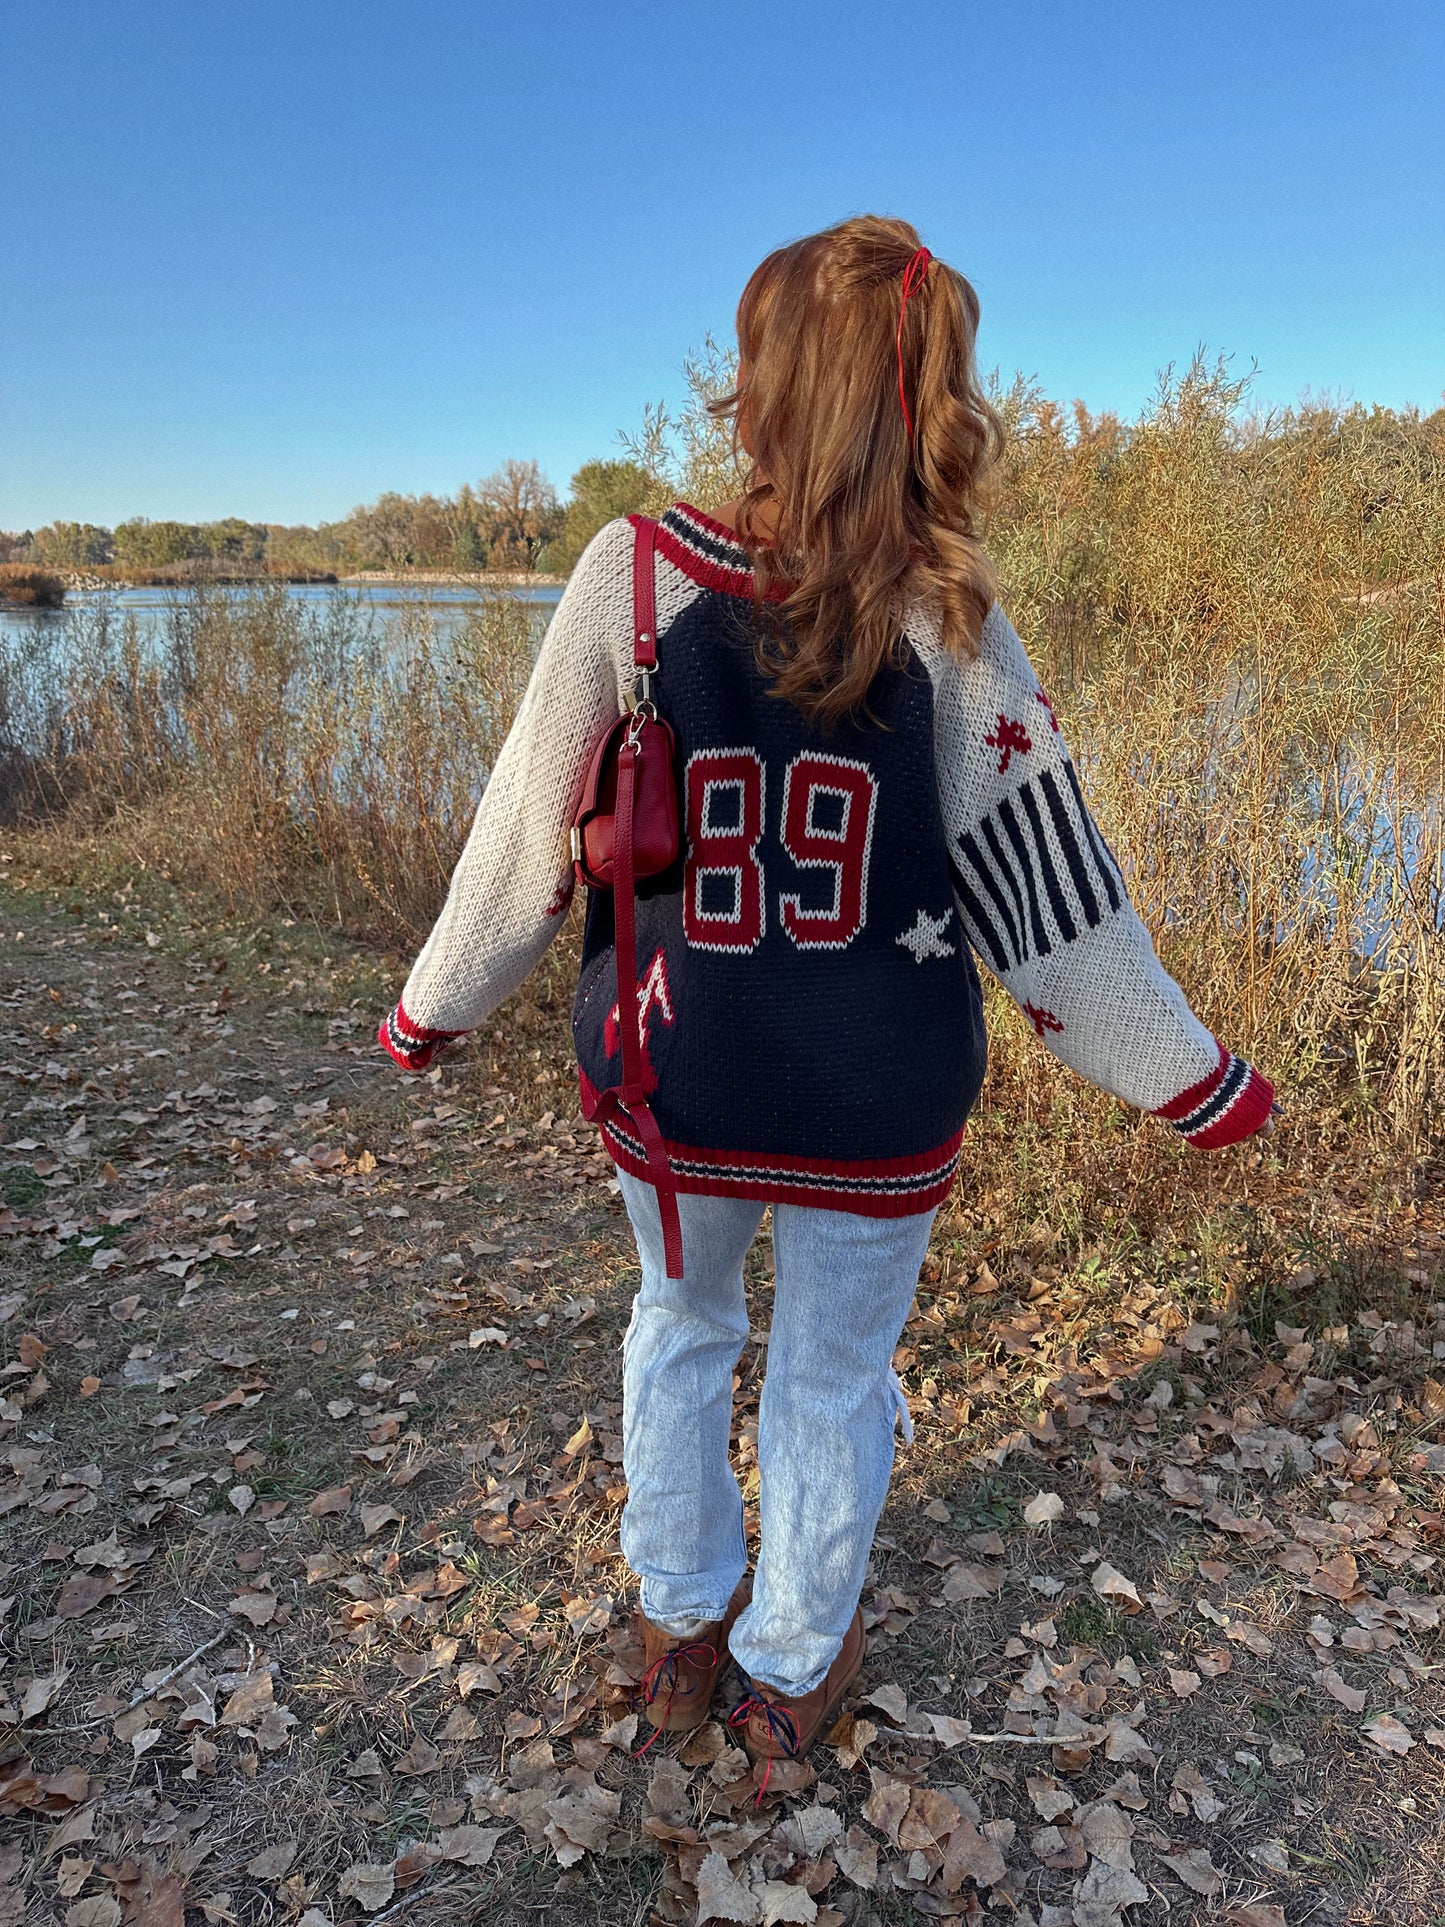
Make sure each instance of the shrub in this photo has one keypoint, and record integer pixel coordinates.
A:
(30, 587)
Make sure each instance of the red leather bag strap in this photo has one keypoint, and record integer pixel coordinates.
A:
(629, 1016)
(644, 593)
(632, 1096)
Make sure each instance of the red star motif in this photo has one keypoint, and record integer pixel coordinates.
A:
(1040, 697)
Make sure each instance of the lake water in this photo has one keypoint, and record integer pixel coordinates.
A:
(385, 604)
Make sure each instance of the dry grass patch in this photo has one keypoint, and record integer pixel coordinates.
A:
(311, 1380)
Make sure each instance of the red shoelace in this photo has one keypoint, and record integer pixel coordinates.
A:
(781, 1725)
(698, 1653)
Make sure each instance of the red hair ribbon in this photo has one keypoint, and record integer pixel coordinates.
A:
(913, 276)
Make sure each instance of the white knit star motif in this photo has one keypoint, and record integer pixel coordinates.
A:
(925, 939)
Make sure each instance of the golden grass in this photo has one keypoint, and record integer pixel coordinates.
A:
(1242, 625)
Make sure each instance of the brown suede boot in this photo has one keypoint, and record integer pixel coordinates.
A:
(776, 1726)
(678, 1681)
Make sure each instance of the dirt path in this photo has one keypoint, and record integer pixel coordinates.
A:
(313, 1604)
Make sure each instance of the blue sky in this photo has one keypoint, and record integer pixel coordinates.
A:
(272, 258)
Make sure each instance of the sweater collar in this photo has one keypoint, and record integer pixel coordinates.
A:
(707, 551)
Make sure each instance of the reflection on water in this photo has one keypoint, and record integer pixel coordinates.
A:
(441, 606)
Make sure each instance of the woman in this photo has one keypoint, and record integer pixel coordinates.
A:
(874, 789)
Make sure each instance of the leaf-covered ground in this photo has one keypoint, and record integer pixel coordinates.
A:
(312, 1605)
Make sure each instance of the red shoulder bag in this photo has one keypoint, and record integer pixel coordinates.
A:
(625, 828)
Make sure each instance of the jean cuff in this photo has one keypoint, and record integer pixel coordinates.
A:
(680, 1625)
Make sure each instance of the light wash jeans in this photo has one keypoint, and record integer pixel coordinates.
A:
(830, 1401)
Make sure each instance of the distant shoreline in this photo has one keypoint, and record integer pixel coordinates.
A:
(481, 579)
(65, 582)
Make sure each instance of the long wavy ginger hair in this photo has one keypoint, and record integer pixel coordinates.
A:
(843, 510)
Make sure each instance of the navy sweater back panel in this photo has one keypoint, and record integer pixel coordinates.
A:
(812, 994)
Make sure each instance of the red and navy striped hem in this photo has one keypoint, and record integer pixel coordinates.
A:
(1230, 1104)
(869, 1187)
(707, 552)
(413, 1045)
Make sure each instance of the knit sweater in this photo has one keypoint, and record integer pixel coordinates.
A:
(809, 1010)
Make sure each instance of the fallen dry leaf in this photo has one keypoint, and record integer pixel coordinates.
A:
(886, 1805)
(469, 1846)
(930, 1818)
(39, 1694)
(588, 1615)
(369, 1883)
(1350, 1697)
(1111, 1586)
(947, 1730)
(475, 1676)
(71, 1875)
(722, 1896)
(336, 1498)
(1190, 1784)
(581, 1823)
(1103, 1893)
(149, 1898)
(969, 1580)
(22, 1790)
(781, 1900)
(1107, 1832)
(415, 1863)
(890, 1700)
(420, 1757)
(810, 1830)
(857, 1858)
(850, 1738)
(100, 1910)
(1387, 1733)
(257, 1607)
(272, 1862)
(1049, 1800)
(667, 1790)
(1196, 1870)
(1044, 1509)
(701, 1747)
(973, 1855)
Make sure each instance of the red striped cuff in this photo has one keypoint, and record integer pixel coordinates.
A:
(413, 1045)
(1230, 1104)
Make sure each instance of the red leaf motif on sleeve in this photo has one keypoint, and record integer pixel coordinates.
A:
(1041, 1020)
(1006, 739)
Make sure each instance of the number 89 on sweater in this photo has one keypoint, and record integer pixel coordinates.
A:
(827, 824)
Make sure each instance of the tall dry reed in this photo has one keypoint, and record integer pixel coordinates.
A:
(290, 755)
(1241, 622)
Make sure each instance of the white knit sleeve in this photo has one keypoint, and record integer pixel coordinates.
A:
(513, 883)
(1045, 905)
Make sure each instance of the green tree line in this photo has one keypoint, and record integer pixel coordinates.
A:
(511, 520)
